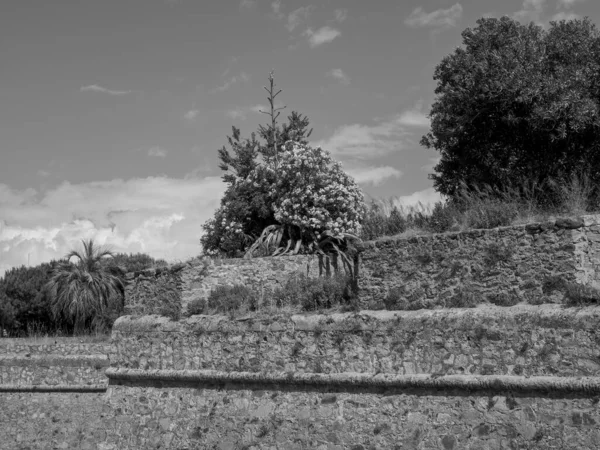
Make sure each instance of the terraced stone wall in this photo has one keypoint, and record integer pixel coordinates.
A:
(511, 264)
(52, 393)
(150, 290)
(489, 377)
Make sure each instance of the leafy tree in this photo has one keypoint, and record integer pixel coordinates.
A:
(23, 300)
(86, 292)
(515, 103)
(245, 209)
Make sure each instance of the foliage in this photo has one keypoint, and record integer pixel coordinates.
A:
(86, 293)
(316, 204)
(313, 294)
(133, 262)
(517, 102)
(289, 197)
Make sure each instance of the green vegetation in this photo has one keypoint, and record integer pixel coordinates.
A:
(300, 293)
(282, 196)
(25, 302)
(517, 102)
(483, 208)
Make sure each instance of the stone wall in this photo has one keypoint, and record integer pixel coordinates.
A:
(489, 377)
(502, 265)
(52, 393)
(52, 362)
(146, 291)
(513, 262)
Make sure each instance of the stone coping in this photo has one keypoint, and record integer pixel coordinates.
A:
(55, 360)
(567, 222)
(577, 385)
(528, 316)
(56, 388)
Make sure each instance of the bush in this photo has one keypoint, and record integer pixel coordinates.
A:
(316, 293)
(229, 299)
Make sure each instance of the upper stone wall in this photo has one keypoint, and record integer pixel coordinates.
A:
(522, 340)
(147, 290)
(511, 261)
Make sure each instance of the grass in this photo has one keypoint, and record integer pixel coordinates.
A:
(482, 208)
(299, 294)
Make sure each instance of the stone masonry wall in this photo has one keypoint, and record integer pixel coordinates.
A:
(52, 394)
(56, 362)
(523, 340)
(508, 261)
(483, 378)
(195, 279)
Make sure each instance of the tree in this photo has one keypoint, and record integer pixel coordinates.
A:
(516, 103)
(245, 209)
(85, 292)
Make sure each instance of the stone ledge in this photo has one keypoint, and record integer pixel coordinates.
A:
(529, 316)
(54, 360)
(55, 388)
(581, 385)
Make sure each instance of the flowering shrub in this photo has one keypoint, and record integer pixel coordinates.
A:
(313, 193)
(304, 197)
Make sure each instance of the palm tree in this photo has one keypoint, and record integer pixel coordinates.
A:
(85, 290)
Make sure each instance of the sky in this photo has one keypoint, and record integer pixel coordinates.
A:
(112, 111)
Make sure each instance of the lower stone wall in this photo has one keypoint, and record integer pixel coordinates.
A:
(230, 416)
(53, 420)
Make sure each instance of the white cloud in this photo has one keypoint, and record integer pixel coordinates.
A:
(276, 8)
(425, 198)
(247, 4)
(431, 164)
(414, 118)
(340, 15)
(372, 175)
(237, 113)
(322, 36)
(366, 141)
(531, 11)
(96, 88)
(441, 18)
(566, 4)
(157, 152)
(564, 15)
(296, 17)
(339, 75)
(243, 77)
(191, 115)
(157, 215)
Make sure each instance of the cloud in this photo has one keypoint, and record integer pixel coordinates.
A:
(531, 11)
(157, 152)
(43, 173)
(425, 198)
(296, 17)
(372, 175)
(566, 4)
(340, 15)
(237, 113)
(276, 9)
(563, 15)
(366, 141)
(414, 118)
(339, 75)
(191, 115)
(243, 77)
(441, 18)
(247, 4)
(160, 216)
(322, 36)
(431, 164)
(96, 88)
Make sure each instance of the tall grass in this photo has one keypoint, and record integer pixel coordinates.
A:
(483, 207)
